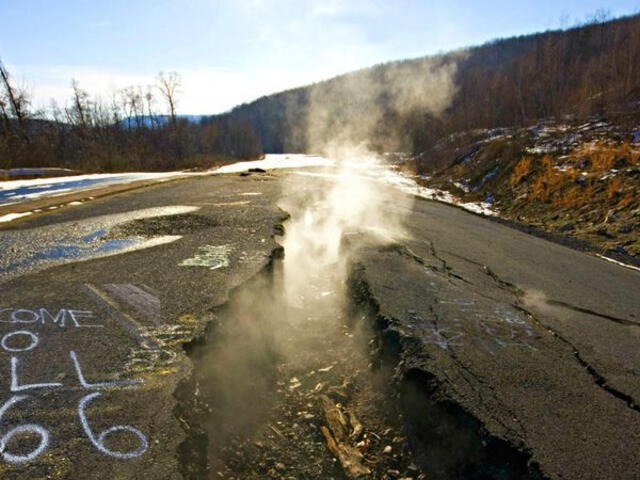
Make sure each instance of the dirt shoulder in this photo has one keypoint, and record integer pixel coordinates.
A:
(573, 182)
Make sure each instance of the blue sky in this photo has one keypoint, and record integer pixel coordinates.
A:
(228, 52)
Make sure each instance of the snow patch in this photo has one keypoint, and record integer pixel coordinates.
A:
(276, 161)
(16, 191)
(9, 217)
(617, 262)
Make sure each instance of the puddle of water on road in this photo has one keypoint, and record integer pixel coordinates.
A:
(95, 235)
(38, 248)
(65, 253)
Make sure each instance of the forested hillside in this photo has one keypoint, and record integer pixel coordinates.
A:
(545, 128)
(587, 70)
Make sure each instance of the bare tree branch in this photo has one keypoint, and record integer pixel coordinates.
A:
(169, 85)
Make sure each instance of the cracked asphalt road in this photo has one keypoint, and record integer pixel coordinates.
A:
(535, 342)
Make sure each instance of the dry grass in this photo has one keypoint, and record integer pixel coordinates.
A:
(603, 156)
(551, 185)
(521, 171)
(548, 180)
(614, 187)
(575, 196)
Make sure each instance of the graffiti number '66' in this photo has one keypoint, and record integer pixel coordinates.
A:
(98, 441)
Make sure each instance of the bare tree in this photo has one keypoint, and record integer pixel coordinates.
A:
(150, 102)
(169, 86)
(16, 101)
(80, 112)
(101, 113)
(134, 106)
(6, 124)
(115, 108)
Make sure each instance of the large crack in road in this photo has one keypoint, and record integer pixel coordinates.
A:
(300, 375)
(269, 377)
(283, 383)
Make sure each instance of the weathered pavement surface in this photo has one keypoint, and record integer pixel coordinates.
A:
(121, 318)
(515, 357)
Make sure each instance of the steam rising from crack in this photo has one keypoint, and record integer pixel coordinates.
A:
(344, 117)
(296, 322)
(331, 217)
(354, 109)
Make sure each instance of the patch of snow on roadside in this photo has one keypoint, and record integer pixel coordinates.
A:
(479, 208)
(275, 161)
(409, 185)
(15, 191)
(462, 186)
(622, 264)
(9, 217)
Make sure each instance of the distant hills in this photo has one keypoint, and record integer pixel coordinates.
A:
(427, 108)
(150, 121)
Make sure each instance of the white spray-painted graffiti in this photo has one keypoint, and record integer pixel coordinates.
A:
(211, 256)
(21, 429)
(431, 333)
(42, 316)
(19, 342)
(99, 441)
(498, 328)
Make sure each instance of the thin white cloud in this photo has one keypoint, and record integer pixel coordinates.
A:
(281, 64)
(340, 7)
(53, 82)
